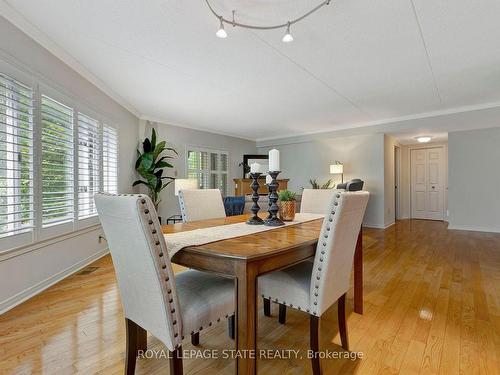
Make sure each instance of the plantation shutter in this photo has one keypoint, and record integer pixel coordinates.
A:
(57, 162)
(89, 164)
(110, 159)
(16, 157)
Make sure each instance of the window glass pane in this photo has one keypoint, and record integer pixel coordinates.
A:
(57, 162)
(214, 158)
(223, 162)
(89, 164)
(16, 157)
(223, 184)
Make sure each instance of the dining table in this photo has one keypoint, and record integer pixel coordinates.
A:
(245, 258)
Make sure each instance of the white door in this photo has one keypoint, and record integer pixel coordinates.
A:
(427, 183)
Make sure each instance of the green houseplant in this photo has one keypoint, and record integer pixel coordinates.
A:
(287, 205)
(150, 165)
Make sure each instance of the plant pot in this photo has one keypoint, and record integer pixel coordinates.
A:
(287, 210)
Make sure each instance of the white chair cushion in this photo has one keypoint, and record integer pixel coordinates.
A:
(204, 299)
(290, 286)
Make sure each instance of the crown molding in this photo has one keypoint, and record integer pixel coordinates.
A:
(376, 126)
(164, 121)
(19, 21)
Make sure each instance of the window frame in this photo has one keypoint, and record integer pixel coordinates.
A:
(208, 170)
(38, 232)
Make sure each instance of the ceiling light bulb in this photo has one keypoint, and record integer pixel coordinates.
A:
(424, 139)
(287, 38)
(221, 33)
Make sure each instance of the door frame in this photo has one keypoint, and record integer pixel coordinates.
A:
(444, 146)
(397, 182)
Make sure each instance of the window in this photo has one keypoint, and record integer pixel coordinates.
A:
(110, 159)
(53, 159)
(89, 164)
(57, 162)
(209, 167)
(16, 157)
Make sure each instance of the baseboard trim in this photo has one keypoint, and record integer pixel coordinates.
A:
(378, 226)
(473, 228)
(32, 291)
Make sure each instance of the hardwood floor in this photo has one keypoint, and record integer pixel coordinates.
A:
(432, 306)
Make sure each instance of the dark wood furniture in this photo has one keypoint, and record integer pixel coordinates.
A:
(242, 186)
(245, 258)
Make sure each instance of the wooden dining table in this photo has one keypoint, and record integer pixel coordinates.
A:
(247, 257)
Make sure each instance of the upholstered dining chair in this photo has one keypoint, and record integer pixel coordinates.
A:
(155, 300)
(312, 287)
(201, 204)
(314, 201)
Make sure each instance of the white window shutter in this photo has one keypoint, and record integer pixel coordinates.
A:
(110, 159)
(57, 162)
(16, 157)
(89, 164)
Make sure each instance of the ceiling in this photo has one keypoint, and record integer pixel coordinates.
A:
(353, 63)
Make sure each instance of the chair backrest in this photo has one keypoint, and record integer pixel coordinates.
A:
(315, 201)
(142, 266)
(335, 251)
(201, 204)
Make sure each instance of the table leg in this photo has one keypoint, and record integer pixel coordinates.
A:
(246, 317)
(358, 274)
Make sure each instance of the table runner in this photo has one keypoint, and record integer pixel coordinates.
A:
(197, 237)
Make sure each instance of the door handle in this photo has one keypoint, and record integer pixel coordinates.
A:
(433, 187)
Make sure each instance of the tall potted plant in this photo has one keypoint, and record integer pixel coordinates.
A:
(150, 165)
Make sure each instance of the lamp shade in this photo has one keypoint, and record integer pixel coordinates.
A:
(185, 184)
(336, 168)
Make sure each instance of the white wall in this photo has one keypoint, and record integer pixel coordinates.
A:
(25, 271)
(180, 138)
(362, 155)
(474, 180)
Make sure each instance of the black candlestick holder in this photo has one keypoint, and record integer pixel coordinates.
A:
(255, 219)
(273, 220)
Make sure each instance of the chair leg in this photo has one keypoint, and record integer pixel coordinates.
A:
(282, 314)
(195, 339)
(176, 361)
(142, 339)
(131, 351)
(342, 323)
(314, 345)
(231, 327)
(267, 307)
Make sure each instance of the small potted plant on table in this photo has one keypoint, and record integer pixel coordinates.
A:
(287, 205)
